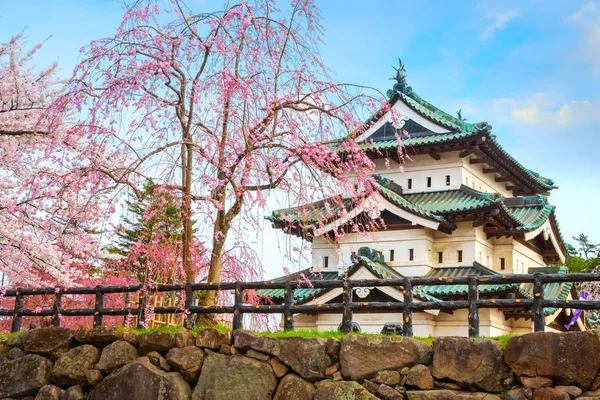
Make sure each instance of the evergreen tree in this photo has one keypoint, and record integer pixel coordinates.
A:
(150, 239)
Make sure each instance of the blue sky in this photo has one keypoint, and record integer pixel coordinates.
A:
(529, 68)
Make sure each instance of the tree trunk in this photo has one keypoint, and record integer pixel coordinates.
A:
(186, 213)
(220, 232)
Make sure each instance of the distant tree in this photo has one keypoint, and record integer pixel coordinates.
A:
(150, 238)
(585, 248)
(48, 214)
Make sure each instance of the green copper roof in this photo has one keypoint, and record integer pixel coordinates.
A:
(532, 212)
(552, 291)
(523, 214)
(452, 201)
(371, 259)
(426, 109)
(450, 290)
(322, 212)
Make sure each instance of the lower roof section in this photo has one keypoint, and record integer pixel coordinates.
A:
(372, 260)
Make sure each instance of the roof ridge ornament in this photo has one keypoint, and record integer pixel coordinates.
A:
(400, 78)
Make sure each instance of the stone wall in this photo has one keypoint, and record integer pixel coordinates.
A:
(107, 364)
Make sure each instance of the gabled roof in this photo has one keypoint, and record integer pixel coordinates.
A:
(320, 213)
(370, 259)
(521, 214)
(460, 132)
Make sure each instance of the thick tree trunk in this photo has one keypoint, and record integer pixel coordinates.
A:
(186, 213)
(220, 232)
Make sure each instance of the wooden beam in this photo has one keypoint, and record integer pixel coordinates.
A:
(477, 161)
(510, 187)
(435, 155)
(490, 170)
(468, 151)
(502, 179)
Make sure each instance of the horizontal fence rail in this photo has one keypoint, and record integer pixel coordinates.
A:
(347, 307)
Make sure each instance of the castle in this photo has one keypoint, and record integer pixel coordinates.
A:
(462, 206)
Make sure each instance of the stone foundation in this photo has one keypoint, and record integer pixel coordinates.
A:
(106, 364)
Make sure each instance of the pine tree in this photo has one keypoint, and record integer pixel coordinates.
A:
(150, 239)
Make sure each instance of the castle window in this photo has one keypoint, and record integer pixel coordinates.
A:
(460, 256)
(325, 262)
(391, 255)
(428, 181)
(411, 254)
(447, 180)
(440, 257)
(467, 181)
(502, 263)
(409, 183)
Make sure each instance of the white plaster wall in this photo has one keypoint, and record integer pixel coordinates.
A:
(524, 258)
(474, 178)
(420, 168)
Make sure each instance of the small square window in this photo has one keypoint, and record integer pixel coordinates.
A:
(411, 254)
(428, 181)
(459, 255)
(440, 257)
(409, 183)
(391, 255)
(325, 262)
(502, 263)
(447, 180)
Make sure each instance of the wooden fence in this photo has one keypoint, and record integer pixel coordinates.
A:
(347, 307)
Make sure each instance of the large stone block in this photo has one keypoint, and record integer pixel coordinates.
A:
(292, 387)
(308, 357)
(571, 358)
(234, 377)
(187, 361)
(211, 338)
(24, 376)
(341, 390)
(142, 380)
(48, 342)
(160, 342)
(99, 336)
(116, 355)
(70, 368)
(471, 362)
(363, 356)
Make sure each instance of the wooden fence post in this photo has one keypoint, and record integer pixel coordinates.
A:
(98, 305)
(347, 302)
(407, 314)
(288, 302)
(539, 323)
(16, 322)
(142, 300)
(57, 307)
(189, 301)
(238, 317)
(473, 296)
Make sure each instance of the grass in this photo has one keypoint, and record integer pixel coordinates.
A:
(304, 333)
(6, 336)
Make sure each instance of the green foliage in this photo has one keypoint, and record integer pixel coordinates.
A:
(219, 327)
(586, 248)
(579, 264)
(162, 328)
(154, 215)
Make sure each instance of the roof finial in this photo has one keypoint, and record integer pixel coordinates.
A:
(460, 116)
(400, 78)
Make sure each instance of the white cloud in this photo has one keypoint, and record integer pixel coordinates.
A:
(545, 113)
(500, 21)
(586, 50)
(527, 114)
